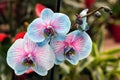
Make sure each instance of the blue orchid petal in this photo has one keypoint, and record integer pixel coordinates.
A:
(44, 60)
(58, 47)
(46, 15)
(84, 24)
(15, 57)
(29, 45)
(35, 30)
(59, 37)
(61, 23)
(57, 62)
(40, 44)
(81, 43)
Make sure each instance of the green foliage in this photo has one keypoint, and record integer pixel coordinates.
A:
(98, 66)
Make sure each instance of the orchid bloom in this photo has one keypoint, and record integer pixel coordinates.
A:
(84, 25)
(25, 55)
(48, 25)
(75, 47)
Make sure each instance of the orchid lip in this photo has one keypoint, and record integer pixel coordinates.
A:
(28, 62)
(49, 32)
(69, 52)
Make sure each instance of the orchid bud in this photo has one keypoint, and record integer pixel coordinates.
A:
(97, 14)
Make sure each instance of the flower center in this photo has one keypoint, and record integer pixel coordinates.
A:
(69, 52)
(28, 62)
(48, 32)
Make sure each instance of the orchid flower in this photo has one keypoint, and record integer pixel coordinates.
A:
(48, 25)
(75, 47)
(84, 25)
(24, 55)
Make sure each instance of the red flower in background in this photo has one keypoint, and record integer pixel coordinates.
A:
(38, 8)
(29, 71)
(19, 35)
(3, 36)
(89, 3)
(3, 5)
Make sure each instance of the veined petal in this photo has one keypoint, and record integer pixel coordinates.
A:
(82, 43)
(44, 59)
(84, 24)
(46, 15)
(58, 47)
(29, 45)
(15, 56)
(35, 30)
(61, 23)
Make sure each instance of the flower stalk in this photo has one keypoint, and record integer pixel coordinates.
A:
(58, 5)
(98, 9)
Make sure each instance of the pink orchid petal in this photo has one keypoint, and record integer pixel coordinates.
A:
(29, 45)
(61, 23)
(47, 15)
(58, 48)
(15, 56)
(36, 29)
(44, 59)
(81, 43)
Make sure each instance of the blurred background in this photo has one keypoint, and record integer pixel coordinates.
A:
(104, 60)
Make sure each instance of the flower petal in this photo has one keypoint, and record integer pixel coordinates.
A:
(58, 47)
(15, 56)
(29, 45)
(81, 43)
(46, 15)
(44, 59)
(84, 24)
(61, 23)
(40, 44)
(35, 30)
(59, 37)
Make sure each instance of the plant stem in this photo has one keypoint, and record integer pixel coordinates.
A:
(53, 69)
(58, 5)
(52, 73)
(92, 12)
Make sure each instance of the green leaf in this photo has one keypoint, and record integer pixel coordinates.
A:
(101, 74)
(101, 36)
(94, 50)
(113, 51)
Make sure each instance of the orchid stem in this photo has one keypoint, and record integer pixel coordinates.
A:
(53, 69)
(58, 5)
(92, 12)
